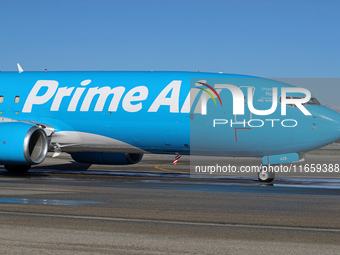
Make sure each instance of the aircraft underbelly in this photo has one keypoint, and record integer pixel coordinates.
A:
(70, 141)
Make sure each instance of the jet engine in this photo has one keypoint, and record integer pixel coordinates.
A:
(22, 144)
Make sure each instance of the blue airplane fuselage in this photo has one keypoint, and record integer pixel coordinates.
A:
(160, 112)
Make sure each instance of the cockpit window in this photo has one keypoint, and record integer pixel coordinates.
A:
(312, 101)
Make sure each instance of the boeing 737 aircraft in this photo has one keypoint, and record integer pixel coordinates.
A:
(116, 117)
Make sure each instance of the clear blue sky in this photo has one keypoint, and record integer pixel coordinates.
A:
(288, 38)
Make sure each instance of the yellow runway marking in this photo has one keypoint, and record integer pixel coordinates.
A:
(168, 170)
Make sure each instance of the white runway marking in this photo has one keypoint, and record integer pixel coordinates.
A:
(171, 222)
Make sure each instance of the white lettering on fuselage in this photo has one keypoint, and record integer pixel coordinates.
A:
(172, 101)
(34, 99)
(132, 101)
(48, 90)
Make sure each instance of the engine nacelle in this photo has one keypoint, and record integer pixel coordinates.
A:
(22, 144)
(107, 158)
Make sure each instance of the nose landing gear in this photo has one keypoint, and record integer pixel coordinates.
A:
(266, 175)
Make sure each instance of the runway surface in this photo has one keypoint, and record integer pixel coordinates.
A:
(154, 207)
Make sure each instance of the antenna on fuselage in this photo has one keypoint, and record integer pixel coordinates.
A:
(20, 70)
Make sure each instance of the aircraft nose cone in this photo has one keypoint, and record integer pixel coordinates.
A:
(331, 124)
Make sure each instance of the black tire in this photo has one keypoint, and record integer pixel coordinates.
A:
(265, 176)
(17, 169)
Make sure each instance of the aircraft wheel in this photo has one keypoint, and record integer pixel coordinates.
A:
(17, 169)
(265, 176)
